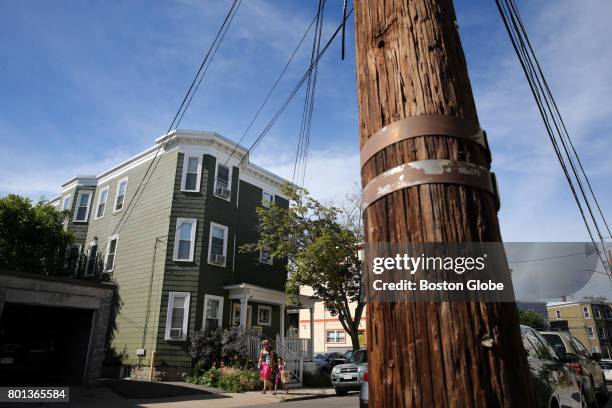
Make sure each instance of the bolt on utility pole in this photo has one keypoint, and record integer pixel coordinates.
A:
(410, 62)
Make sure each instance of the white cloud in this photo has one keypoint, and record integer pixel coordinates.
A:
(37, 179)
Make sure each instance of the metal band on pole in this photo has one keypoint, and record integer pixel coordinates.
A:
(429, 172)
(423, 125)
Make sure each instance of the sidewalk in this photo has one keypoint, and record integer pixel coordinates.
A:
(135, 394)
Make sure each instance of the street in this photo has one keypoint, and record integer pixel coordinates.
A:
(349, 401)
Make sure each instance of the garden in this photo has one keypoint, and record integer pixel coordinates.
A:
(220, 360)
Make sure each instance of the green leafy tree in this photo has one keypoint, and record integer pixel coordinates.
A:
(531, 319)
(320, 243)
(32, 237)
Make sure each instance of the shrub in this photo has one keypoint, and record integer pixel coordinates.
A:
(316, 379)
(233, 347)
(228, 379)
(209, 348)
(206, 349)
(240, 381)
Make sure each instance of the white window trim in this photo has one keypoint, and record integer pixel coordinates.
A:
(92, 244)
(76, 209)
(337, 340)
(269, 309)
(69, 197)
(601, 332)
(171, 296)
(558, 314)
(107, 189)
(586, 315)
(270, 259)
(263, 193)
(237, 306)
(214, 297)
(229, 181)
(194, 225)
(116, 237)
(591, 333)
(210, 237)
(115, 210)
(199, 174)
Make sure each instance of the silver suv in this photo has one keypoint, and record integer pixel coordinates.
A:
(585, 364)
(348, 377)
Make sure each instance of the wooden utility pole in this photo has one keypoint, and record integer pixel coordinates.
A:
(424, 354)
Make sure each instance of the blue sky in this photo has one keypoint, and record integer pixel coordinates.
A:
(85, 85)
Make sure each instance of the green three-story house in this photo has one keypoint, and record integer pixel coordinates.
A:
(166, 226)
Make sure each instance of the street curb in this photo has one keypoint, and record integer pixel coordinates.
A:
(304, 398)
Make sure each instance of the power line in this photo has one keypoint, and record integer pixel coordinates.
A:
(301, 154)
(265, 101)
(180, 112)
(283, 106)
(552, 120)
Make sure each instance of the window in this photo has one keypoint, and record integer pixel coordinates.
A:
(608, 313)
(111, 252)
(121, 190)
(602, 332)
(213, 312)
(335, 336)
(101, 207)
(217, 245)
(585, 312)
(92, 256)
(265, 257)
(597, 312)
(66, 203)
(222, 182)
(236, 315)
(267, 198)
(184, 239)
(192, 169)
(178, 315)
(590, 332)
(594, 349)
(81, 212)
(264, 315)
(558, 314)
(72, 256)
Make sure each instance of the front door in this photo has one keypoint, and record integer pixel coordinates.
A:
(236, 315)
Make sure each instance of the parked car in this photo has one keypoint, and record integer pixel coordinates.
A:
(606, 366)
(555, 384)
(326, 361)
(349, 376)
(585, 364)
(364, 391)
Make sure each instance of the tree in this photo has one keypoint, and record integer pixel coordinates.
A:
(531, 319)
(32, 237)
(320, 243)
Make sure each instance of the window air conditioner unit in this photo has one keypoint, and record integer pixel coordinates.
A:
(217, 259)
(223, 192)
(176, 334)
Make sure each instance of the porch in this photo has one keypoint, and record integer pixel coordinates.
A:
(293, 349)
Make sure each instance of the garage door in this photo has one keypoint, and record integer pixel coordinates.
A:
(42, 345)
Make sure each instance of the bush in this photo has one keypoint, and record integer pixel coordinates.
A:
(206, 349)
(316, 379)
(228, 379)
(210, 348)
(233, 347)
(240, 381)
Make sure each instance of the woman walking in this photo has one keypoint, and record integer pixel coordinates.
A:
(265, 366)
